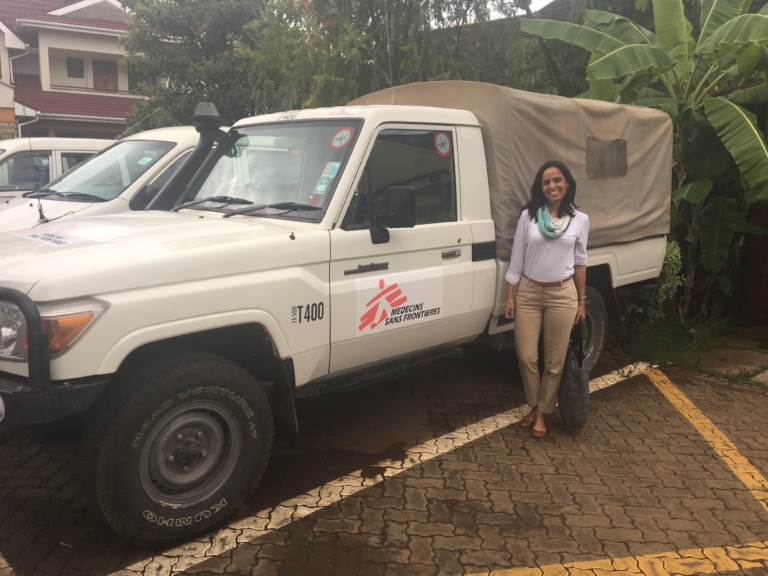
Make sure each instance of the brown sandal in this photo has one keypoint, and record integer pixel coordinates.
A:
(527, 423)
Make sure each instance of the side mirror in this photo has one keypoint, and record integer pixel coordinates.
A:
(400, 210)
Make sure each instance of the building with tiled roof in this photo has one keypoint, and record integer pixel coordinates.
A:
(60, 71)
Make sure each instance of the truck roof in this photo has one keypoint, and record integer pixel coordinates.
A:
(381, 113)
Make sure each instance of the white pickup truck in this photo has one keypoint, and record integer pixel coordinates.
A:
(315, 249)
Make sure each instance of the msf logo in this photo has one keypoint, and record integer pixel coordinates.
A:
(394, 297)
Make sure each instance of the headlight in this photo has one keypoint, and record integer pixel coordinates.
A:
(13, 328)
(65, 323)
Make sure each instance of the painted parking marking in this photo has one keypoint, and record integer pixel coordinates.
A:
(725, 449)
(336, 490)
(692, 561)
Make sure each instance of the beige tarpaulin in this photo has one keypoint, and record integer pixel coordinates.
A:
(620, 156)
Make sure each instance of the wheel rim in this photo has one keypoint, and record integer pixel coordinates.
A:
(189, 454)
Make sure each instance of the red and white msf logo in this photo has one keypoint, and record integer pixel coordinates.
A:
(394, 297)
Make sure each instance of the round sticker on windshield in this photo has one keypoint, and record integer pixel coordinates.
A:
(341, 138)
(443, 144)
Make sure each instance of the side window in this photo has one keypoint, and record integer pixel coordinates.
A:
(422, 159)
(25, 171)
(71, 159)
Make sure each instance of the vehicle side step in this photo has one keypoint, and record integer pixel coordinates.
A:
(375, 374)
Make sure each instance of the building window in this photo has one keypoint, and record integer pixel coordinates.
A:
(75, 68)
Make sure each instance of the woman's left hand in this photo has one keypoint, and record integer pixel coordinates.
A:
(581, 311)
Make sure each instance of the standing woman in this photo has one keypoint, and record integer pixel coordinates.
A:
(547, 284)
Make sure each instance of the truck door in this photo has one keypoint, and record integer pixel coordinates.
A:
(415, 291)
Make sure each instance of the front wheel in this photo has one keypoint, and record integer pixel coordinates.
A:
(177, 447)
(597, 326)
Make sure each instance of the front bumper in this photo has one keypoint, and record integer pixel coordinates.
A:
(25, 405)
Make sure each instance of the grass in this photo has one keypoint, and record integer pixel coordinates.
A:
(672, 342)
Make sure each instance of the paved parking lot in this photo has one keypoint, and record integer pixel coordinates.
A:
(428, 474)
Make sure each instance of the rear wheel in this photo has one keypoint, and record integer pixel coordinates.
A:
(177, 447)
(597, 326)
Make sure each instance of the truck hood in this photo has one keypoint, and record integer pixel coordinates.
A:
(22, 213)
(114, 253)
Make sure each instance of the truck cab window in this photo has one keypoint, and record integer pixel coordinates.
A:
(422, 159)
(25, 171)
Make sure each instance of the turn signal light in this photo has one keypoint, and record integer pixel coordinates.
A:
(62, 330)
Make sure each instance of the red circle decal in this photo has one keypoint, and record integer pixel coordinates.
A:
(442, 143)
(341, 138)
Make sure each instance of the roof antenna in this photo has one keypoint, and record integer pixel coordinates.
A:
(40, 215)
(389, 53)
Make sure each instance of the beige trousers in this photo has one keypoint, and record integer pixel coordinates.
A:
(554, 308)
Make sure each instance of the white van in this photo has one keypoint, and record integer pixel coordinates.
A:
(123, 177)
(30, 163)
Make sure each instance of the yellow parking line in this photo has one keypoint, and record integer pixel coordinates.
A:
(693, 561)
(696, 560)
(741, 467)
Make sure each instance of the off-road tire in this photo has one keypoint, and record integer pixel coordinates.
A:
(176, 446)
(597, 326)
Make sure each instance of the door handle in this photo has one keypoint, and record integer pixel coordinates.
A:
(452, 253)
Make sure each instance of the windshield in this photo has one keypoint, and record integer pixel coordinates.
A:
(295, 165)
(108, 174)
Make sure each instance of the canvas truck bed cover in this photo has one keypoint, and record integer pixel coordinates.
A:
(620, 156)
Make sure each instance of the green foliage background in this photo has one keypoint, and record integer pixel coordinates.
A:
(250, 57)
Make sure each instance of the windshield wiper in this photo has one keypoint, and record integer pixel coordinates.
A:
(289, 206)
(84, 196)
(225, 199)
(43, 192)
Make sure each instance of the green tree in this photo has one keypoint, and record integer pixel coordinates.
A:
(192, 45)
(720, 155)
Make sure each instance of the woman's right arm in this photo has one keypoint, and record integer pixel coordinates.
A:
(515, 270)
(509, 305)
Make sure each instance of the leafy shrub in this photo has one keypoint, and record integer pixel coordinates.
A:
(641, 307)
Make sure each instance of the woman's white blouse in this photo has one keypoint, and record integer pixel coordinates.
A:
(548, 260)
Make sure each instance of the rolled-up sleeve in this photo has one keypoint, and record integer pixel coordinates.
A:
(580, 249)
(515, 269)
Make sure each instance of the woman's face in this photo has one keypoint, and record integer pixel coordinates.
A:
(553, 185)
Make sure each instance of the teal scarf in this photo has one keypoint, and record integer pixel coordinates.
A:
(549, 228)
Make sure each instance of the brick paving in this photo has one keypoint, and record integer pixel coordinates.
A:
(637, 481)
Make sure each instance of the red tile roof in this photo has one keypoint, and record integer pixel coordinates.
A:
(29, 93)
(12, 10)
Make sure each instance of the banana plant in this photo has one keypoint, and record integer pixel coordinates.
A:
(706, 86)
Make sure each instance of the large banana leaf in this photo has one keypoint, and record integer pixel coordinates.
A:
(592, 40)
(715, 13)
(600, 89)
(734, 33)
(630, 59)
(764, 10)
(707, 158)
(673, 31)
(749, 58)
(619, 27)
(736, 128)
(718, 223)
(693, 193)
(753, 95)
